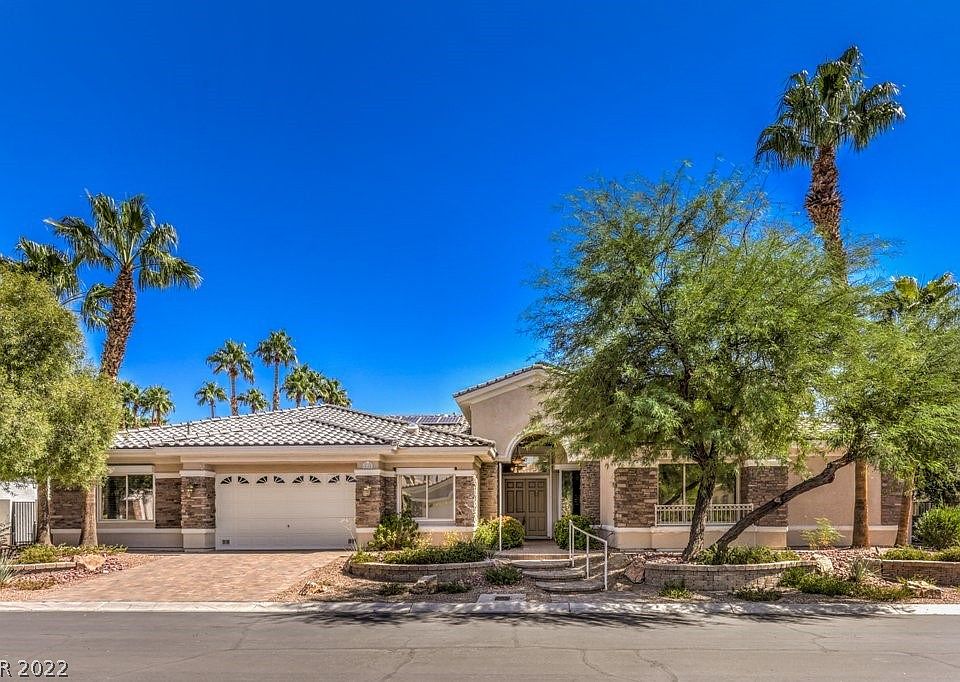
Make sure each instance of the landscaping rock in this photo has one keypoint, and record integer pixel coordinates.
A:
(310, 587)
(91, 563)
(925, 590)
(824, 565)
(634, 572)
(425, 585)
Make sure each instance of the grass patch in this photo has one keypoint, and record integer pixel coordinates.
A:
(392, 589)
(744, 555)
(674, 589)
(757, 594)
(503, 575)
(455, 587)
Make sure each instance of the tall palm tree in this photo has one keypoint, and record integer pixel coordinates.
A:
(125, 239)
(234, 361)
(332, 392)
(254, 399)
(299, 385)
(818, 114)
(277, 349)
(210, 393)
(132, 397)
(157, 402)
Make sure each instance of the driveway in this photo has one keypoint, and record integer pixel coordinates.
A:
(214, 576)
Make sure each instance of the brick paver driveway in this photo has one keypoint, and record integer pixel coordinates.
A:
(215, 576)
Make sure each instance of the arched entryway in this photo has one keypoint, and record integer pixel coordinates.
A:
(534, 477)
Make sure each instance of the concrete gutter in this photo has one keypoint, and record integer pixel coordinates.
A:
(528, 608)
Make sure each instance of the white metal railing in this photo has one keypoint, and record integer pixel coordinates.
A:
(573, 530)
(717, 514)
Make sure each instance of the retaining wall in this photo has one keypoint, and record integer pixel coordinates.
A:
(937, 572)
(410, 573)
(719, 578)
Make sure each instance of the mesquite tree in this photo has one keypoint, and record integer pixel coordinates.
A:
(682, 321)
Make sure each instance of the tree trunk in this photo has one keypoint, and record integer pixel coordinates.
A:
(708, 482)
(904, 526)
(823, 203)
(276, 386)
(213, 409)
(88, 525)
(823, 478)
(123, 306)
(861, 521)
(43, 512)
(234, 408)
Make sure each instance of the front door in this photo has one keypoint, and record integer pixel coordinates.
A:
(525, 499)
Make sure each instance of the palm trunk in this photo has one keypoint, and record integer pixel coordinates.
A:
(823, 478)
(234, 406)
(823, 203)
(906, 512)
(276, 386)
(860, 536)
(213, 409)
(698, 522)
(43, 512)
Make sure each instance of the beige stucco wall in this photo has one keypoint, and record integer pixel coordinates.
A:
(833, 501)
(501, 418)
(606, 493)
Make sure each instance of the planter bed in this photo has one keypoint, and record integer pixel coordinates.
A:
(49, 566)
(937, 572)
(408, 573)
(721, 578)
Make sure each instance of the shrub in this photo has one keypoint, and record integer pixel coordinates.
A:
(64, 551)
(949, 554)
(38, 554)
(793, 576)
(487, 533)
(832, 586)
(906, 554)
(860, 570)
(6, 568)
(362, 557)
(757, 594)
(939, 528)
(503, 575)
(882, 592)
(561, 530)
(455, 587)
(391, 589)
(674, 589)
(823, 536)
(395, 531)
(459, 552)
(744, 555)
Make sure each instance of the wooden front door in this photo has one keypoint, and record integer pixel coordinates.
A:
(525, 499)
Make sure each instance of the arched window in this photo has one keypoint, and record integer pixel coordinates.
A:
(536, 453)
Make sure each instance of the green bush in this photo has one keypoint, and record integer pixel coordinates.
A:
(38, 554)
(949, 554)
(674, 589)
(832, 586)
(503, 575)
(907, 554)
(455, 587)
(487, 533)
(744, 555)
(69, 551)
(757, 594)
(882, 592)
(391, 589)
(823, 536)
(6, 568)
(395, 531)
(362, 557)
(860, 570)
(561, 531)
(939, 528)
(455, 553)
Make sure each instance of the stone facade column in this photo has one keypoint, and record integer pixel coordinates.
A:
(198, 502)
(634, 497)
(759, 484)
(370, 499)
(590, 491)
(168, 501)
(891, 497)
(487, 502)
(466, 500)
(66, 507)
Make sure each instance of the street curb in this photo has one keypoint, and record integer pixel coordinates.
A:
(526, 608)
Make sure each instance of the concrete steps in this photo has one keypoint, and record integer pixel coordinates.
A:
(572, 586)
(539, 563)
(554, 574)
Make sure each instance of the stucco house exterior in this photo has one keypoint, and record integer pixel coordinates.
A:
(323, 476)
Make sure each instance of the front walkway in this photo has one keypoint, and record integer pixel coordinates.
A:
(214, 576)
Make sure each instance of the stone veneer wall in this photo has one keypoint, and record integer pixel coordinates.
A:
(198, 505)
(466, 496)
(937, 572)
(388, 494)
(168, 502)
(634, 497)
(66, 507)
(370, 500)
(590, 491)
(487, 502)
(718, 578)
(891, 491)
(758, 484)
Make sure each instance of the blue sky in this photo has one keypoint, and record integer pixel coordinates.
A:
(380, 179)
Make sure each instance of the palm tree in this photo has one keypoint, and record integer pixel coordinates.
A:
(904, 298)
(254, 399)
(157, 402)
(332, 392)
(300, 385)
(132, 397)
(818, 114)
(277, 349)
(233, 360)
(210, 393)
(125, 238)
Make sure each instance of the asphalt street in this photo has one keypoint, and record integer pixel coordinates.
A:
(187, 646)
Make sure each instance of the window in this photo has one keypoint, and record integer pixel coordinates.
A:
(679, 483)
(127, 497)
(427, 497)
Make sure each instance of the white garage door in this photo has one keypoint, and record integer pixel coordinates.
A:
(285, 511)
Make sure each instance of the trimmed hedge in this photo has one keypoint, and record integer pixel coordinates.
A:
(487, 533)
(744, 555)
(561, 531)
(456, 553)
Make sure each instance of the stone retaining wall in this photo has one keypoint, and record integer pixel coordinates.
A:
(937, 572)
(410, 573)
(719, 578)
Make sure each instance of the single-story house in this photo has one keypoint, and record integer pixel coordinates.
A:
(322, 477)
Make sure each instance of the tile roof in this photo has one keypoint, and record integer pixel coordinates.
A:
(508, 375)
(455, 423)
(315, 425)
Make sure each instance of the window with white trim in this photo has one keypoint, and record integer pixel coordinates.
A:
(428, 497)
(127, 497)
